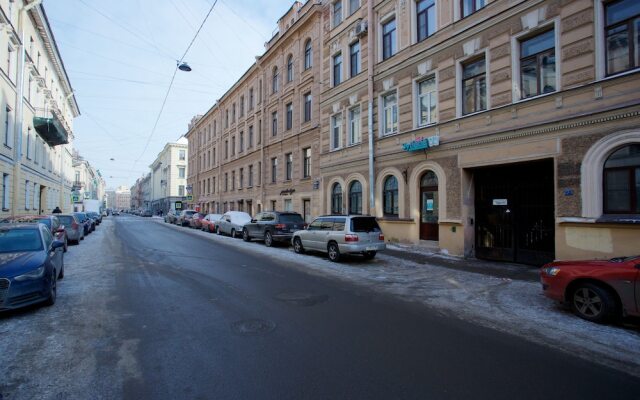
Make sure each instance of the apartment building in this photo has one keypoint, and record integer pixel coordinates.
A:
(169, 176)
(37, 109)
(88, 183)
(122, 198)
(257, 147)
(504, 130)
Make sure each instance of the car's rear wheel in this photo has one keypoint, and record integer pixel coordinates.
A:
(333, 251)
(297, 246)
(233, 233)
(53, 290)
(268, 239)
(593, 302)
(245, 235)
(368, 255)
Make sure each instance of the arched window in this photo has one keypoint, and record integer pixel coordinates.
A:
(355, 198)
(622, 181)
(290, 68)
(390, 196)
(308, 54)
(274, 82)
(336, 199)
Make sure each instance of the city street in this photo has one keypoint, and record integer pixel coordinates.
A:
(149, 310)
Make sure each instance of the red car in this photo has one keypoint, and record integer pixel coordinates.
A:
(209, 222)
(597, 291)
(196, 220)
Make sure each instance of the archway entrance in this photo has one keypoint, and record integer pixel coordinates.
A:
(429, 206)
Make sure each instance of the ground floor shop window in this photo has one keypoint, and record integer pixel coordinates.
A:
(336, 199)
(390, 197)
(622, 181)
(355, 198)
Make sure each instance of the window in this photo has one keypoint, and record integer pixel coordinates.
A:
(274, 123)
(355, 198)
(274, 169)
(474, 87)
(425, 18)
(622, 35)
(233, 180)
(29, 143)
(289, 165)
(355, 136)
(274, 204)
(308, 55)
(27, 195)
(259, 131)
(389, 39)
(233, 145)
(290, 68)
(306, 162)
(242, 106)
(226, 119)
(251, 99)
(250, 178)
(538, 65)
(337, 69)
(288, 205)
(307, 107)
(233, 113)
(354, 59)
(8, 127)
(470, 6)
(289, 108)
(337, 13)
(241, 142)
(353, 6)
(250, 145)
(622, 181)
(389, 113)
(226, 181)
(336, 131)
(336, 199)
(182, 155)
(226, 149)
(5, 192)
(426, 101)
(390, 196)
(274, 80)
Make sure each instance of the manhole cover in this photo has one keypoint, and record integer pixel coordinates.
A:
(302, 299)
(253, 327)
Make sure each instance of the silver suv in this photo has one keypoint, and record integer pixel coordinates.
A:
(341, 234)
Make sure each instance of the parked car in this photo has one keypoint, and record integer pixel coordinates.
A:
(146, 213)
(51, 221)
(232, 223)
(73, 227)
(115, 213)
(196, 220)
(597, 291)
(170, 217)
(185, 217)
(273, 226)
(95, 216)
(31, 262)
(341, 234)
(86, 222)
(209, 222)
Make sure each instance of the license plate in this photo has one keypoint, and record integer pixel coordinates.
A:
(371, 248)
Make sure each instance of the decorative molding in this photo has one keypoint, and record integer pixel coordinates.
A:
(532, 19)
(387, 84)
(471, 47)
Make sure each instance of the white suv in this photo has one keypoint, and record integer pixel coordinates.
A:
(341, 234)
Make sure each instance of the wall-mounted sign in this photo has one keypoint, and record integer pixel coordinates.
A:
(189, 197)
(421, 143)
(429, 204)
(500, 202)
(189, 189)
(316, 184)
(178, 205)
(568, 192)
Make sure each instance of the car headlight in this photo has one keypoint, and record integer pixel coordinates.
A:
(551, 271)
(35, 274)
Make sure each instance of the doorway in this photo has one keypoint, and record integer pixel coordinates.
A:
(429, 206)
(514, 209)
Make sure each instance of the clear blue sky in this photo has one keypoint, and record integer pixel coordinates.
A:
(120, 56)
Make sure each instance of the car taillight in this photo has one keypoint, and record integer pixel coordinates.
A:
(74, 225)
(305, 226)
(350, 238)
(381, 237)
(280, 226)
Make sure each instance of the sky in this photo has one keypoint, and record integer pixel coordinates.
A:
(120, 56)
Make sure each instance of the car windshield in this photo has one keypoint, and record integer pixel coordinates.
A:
(291, 219)
(240, 219)
(65, 219)
(189, 213)
(18, 240)
(364, 225)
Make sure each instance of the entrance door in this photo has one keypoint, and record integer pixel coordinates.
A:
(429, 206)
(306, 210)
(514, 209)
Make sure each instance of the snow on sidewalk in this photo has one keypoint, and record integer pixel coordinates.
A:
(515, 307)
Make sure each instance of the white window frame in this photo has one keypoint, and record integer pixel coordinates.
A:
(381, 113)
(414, 20)
(333, 6)
(351, 12)
(388, 17)
(333, 60)
(351, 126)
(416, 99)
(357, 41)
(515, 59)
(336, 122)
(459, 99)
(600, 37)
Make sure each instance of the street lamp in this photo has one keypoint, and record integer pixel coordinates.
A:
(183, 66)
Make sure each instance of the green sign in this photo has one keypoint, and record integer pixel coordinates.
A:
(178, 205)
(75, 198)
(421, 143)
(189, 197)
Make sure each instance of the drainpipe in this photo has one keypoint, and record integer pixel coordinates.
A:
(370, 64)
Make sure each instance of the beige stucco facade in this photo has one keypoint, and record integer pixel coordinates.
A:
(169, 176)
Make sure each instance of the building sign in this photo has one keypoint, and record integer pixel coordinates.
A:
(421, 143)
(500, 202)
(189, 189)
(178, 205)
(316, 184)
(189, 197)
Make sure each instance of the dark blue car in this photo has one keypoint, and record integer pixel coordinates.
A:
(89, 225)
(31, 262)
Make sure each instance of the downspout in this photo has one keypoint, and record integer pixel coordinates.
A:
(370, 65)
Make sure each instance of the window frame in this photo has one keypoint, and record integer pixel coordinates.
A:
(382, 113)
(631, 49)
(274, 169)
(415, 31)
(394, 37)
(358, 203)
(358, 59)
(633, 175)
(306, 163)
(289, 116)
(395, 203)
(336, 123)
(337, 14)
(308, 54)
(307, 101)
(483, 53)
(288, 158)
(336, 69)
(290, 68)
(417, 103)
(350, 122)
(337, 199)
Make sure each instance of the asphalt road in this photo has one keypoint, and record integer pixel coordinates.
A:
(150, 312)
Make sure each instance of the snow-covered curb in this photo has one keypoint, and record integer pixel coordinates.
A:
(514, 307)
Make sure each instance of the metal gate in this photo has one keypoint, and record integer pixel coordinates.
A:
(514, 208)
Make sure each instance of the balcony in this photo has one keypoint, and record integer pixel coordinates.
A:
(51, 128)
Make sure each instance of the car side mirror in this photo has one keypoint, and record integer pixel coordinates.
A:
(57, 244)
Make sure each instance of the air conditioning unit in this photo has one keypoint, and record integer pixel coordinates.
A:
(360, 29)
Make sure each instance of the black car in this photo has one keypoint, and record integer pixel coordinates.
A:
(97, 217)
(31, 262)
(273, 226)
